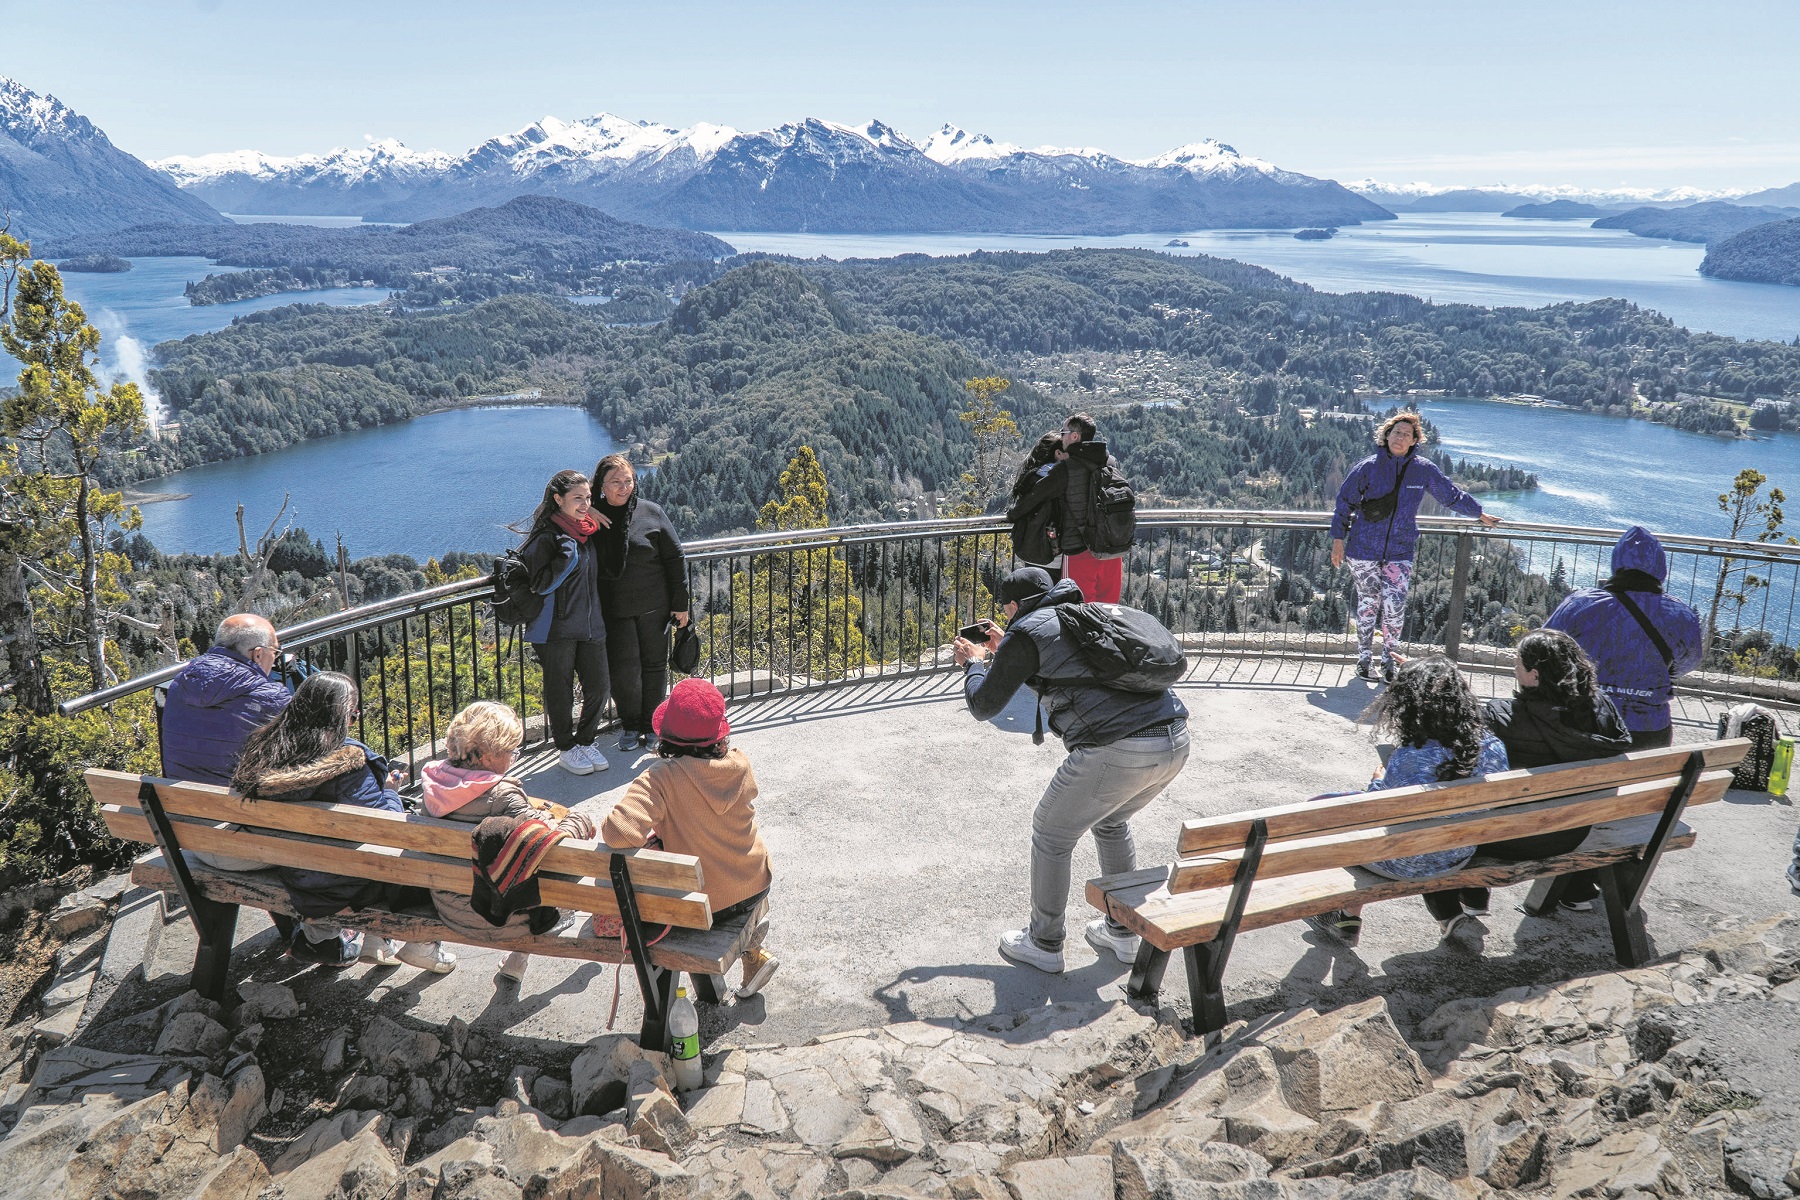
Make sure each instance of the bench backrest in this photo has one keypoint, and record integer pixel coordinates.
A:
(401, 848)
(1365, 827)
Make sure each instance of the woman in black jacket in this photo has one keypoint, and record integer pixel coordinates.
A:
(568, 550)
(640, 604)
(1036, 507)
(1558, 715)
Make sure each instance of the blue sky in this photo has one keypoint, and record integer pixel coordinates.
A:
(1593, 93)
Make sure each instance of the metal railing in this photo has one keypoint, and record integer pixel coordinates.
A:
(819, 608)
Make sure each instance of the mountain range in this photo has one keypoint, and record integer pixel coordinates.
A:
(60, 177)
(809, 175)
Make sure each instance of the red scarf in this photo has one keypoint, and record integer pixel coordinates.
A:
(580, 530)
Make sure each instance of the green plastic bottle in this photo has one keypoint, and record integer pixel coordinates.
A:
(684, 1033)
(1781, 771)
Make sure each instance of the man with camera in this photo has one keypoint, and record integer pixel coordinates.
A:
(1126, 736)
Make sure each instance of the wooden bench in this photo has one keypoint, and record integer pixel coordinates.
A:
(647, 889)
(1255, 869)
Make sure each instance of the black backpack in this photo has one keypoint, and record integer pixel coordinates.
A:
(1126, 649)
(513, 600)
(1112, 511)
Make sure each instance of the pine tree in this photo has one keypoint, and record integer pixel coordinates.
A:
(63, 425)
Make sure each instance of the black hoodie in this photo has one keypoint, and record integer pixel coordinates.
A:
(1538, 732)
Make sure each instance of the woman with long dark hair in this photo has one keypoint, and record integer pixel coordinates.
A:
(1036, 506)
(1558, 714)
(1439, 735)
(1376, 526)
(649, 596)
(307, 753)
(567, 550)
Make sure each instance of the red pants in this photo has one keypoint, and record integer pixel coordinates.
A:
(1100, 579)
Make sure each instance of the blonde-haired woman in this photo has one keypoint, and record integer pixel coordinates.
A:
(642, 602)
(1376, 526)
(471, 784)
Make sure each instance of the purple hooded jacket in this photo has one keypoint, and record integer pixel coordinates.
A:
(213, 705)
(1630, 667)
(1397, 538)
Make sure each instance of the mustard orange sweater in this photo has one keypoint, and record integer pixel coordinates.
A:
(699, 806)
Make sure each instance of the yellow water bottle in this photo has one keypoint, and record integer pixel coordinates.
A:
(1782, 769)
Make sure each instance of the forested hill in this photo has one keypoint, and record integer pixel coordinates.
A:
(1710, 222)
(1196, 368)
(533, 241)
(1269, 339)
(1764, 254)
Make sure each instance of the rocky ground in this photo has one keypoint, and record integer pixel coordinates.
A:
(1677, 1079)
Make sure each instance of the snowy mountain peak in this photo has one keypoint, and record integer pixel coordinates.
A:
(1210, 157)
(953, 144)
(26, 114)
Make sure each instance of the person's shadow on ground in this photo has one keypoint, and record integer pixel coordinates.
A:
(1348, 700)
(1016, 988)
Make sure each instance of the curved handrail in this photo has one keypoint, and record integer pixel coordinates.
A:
(711, 549)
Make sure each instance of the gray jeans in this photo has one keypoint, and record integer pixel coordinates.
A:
(1097, 788)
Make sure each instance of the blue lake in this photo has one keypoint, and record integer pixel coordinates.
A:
(1610, 471)
(446, 481)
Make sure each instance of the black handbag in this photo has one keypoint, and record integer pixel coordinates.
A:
(1382, 507)
(684, 656)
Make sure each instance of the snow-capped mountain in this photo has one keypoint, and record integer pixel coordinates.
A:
(61, 177)
(806, 175)
(1498, 197)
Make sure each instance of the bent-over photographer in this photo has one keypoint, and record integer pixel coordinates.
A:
(1127, 740)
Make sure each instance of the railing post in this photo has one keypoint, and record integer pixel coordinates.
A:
(1459, 588)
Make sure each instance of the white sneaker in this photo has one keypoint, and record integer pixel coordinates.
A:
(514, 966)
(596, 756)
(1105, 941)
(575, 761)
(428, 956)
(1017, 946)
(383, 952)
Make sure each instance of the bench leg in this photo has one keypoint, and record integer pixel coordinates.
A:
(1631, 939)
(1545, 895)
(709, 989)
(653, 1034)
(1147, 972)
(1205, 969)
(216, 925)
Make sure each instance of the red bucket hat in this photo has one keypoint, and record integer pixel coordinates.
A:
(693, 715)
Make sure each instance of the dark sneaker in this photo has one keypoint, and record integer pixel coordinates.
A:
(628, 741)
(1794, 875)
(1365, 669)
(340, 951)
(1577, 906)
(1338, 925)
(1388, 670)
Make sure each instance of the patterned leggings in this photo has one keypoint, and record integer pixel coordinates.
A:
(1380, 591)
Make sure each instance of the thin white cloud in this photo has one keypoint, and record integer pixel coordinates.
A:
(1785, 155)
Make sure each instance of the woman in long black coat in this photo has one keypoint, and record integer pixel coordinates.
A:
(649, 596)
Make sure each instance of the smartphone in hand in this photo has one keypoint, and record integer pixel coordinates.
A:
(977, 633)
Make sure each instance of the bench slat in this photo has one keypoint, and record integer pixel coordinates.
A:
(705, 951)
(345, 822)
(1361, 809)
(1355, 847)
(390, 864)
(1140, 901)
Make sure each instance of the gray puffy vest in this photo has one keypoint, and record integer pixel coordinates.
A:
(1085, 715)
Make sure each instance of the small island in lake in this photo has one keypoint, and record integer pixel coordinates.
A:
(95, 264)
(1176, 242)
(1316, 235)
